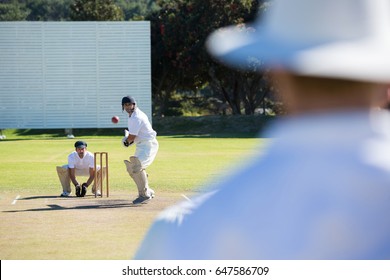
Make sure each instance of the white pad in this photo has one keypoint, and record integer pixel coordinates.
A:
(134, 168)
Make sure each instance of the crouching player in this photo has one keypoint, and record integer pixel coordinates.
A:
(80, 163)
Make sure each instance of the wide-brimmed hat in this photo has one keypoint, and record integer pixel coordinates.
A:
(347, 39)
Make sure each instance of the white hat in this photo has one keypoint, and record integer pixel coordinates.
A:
(327, 38)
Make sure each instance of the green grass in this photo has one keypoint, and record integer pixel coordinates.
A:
(106, 228)
(181, 164)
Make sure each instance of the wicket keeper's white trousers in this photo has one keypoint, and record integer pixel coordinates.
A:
(63, 175)
(146, 151)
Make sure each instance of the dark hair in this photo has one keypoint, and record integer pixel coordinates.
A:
(80, 144)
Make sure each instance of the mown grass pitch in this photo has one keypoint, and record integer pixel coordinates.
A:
(35, 223)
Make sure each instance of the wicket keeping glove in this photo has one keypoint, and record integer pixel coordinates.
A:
(83, 189)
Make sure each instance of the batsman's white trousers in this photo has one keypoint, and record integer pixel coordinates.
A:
(146, 151)
(63, 175)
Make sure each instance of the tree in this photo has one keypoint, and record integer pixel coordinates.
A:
(96, 10)
(48, 10)
(12, 11)
(137, 9)
(180, 61)
(243, 90)
(34, 10)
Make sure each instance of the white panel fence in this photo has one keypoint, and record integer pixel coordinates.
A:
(72, 74)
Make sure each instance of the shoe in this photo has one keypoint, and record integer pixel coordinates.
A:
(141, 199)
(83, 191)
(78, 191)
(65, 194)
(98, 193)
(150, 193)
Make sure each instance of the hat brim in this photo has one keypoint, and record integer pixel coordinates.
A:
(366, 59)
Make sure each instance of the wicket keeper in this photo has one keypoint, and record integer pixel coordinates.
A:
(80, 163)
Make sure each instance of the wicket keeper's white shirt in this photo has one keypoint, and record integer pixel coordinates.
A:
(74, 161)
(139, 125)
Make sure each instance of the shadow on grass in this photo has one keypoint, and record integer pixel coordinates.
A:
(38, 197)
(105, 204)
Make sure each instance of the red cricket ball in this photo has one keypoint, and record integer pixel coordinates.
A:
(115, 119)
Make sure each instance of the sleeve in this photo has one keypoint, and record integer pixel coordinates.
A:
(71, 161)
(134, 126)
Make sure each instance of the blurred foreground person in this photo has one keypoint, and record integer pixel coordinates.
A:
(322, 189)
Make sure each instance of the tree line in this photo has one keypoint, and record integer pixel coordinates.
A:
(185, 79)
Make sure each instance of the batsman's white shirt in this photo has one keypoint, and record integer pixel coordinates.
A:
(145, 140)
(321, 191)
(139, 125)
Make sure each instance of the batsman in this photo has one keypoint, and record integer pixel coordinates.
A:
(140, 133)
